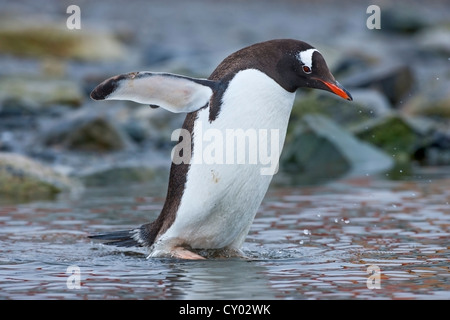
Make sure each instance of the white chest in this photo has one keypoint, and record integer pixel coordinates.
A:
(234, 159)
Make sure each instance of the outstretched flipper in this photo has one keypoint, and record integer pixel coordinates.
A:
(169, 91)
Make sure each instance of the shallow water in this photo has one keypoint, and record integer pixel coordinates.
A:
(305, 243)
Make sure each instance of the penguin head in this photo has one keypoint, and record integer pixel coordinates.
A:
(303, 66)
(311, 71)
(291, 63)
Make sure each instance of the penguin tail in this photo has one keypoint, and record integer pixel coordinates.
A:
(124, 238)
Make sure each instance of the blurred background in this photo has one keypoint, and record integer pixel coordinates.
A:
(54, 138)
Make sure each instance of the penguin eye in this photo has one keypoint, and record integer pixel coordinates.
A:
(306, 69)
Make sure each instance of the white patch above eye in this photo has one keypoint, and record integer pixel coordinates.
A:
(305, 57)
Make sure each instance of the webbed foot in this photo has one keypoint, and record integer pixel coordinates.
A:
(183, 253)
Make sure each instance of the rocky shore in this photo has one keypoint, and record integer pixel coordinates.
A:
(54, 139)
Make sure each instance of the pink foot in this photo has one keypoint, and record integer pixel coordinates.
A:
(182, 253)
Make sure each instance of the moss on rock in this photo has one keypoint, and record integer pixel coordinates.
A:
(41, 40)
(37, 92)
(117, 175)
(392, 134)
(23, 178)
(321, 150)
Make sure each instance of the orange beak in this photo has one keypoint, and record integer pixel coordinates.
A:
(338, 89)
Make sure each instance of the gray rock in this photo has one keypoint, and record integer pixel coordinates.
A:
(23, 178)
(351, 62)
(402, 19)
(110, 176)
(394, 81)
(432, 101)
(126, 168)
(435, 150)
(319, 150)
(435, 40)
(7, 141)
(156, 125)
(87, 131)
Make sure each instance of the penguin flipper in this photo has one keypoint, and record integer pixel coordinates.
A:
(169, 91)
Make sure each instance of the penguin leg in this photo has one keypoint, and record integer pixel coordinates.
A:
(183, 253)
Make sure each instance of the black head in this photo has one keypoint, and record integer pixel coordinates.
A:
(293, 64)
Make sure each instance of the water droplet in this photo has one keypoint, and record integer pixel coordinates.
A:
(401, 171)
(306, 232)
(346, 221)
(301, 242)
(336, 220)
(318, 215)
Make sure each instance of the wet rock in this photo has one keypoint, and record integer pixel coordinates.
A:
(435, 150)
(351, 63)
(46, 39)
(401, 19)
(137, 131)
(435, 40)
(319, 150)
(6, 141)
(31, 94)
(24, 178)
(432, 101)
(394, 81)
(110, 176)
(397, 135)
(156, 125)
(87, 131)
(409, 139)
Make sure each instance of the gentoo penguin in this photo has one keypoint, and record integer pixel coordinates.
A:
(211, 203)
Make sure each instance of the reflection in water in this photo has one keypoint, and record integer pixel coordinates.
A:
(305, 243)
(220, 279)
